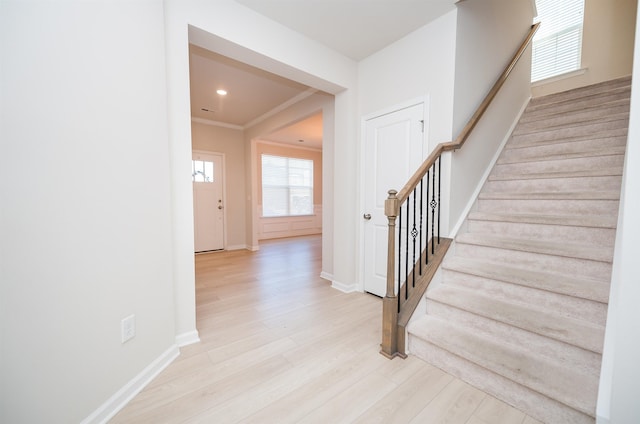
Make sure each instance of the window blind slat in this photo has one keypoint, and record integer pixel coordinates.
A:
(557, 45)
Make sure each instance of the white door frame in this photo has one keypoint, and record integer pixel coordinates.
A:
(424, 100)
(223, 171)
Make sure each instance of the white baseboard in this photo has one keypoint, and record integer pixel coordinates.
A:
(185, 339)
(237, 247)
(120, 399)
(326, 276)
(345, 288)
(254, 248)
(474, 196)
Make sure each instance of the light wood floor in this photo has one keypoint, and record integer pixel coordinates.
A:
(279, 345)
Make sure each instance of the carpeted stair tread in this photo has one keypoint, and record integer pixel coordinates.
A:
(611, 106)
(552, 165)
(570, 285)
(591, 221)
(564, 249)
(535, 128)
(566, 154)
(563, 122)
(536, 107)
(567, 195)
(593, 93)
(558, 327)
(617, 136)
(598, 172)
(578, 130)
(553, 379)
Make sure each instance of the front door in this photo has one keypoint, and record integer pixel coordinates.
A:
(394, 148)
(208, 205)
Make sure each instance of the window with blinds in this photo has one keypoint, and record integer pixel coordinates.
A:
(287, 186)
(557, 46)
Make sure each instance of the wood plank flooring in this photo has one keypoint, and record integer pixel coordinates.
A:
(279, 345)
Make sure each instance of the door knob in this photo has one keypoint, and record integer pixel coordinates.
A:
(367, 216)
(219, 206)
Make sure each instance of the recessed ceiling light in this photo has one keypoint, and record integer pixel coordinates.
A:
(222, 92)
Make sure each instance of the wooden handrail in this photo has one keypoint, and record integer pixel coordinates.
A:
(396, 312)
(473, 121)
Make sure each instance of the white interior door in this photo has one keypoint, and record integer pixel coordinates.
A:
(394, 149)
(208, 202)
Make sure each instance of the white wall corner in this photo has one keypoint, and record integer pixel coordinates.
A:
(120, 399)
(185, 339)
(485, 176)
(534, 8)
(345, 288)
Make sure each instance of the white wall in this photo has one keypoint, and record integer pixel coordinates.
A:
(229, 141)
(85, 234)
(620, 375)
(488, 34)
(607, 45)
(419, 65)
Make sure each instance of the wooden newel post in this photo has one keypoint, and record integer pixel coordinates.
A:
(389, 346)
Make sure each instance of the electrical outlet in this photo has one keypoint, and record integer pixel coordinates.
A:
(128, 328)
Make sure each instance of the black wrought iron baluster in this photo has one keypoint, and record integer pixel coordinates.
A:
(399, 264)
(414, 234)
(426, 250)
(406, 253)
(439, 188)
(420, 243)
(433, 210)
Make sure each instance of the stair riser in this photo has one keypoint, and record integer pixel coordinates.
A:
(562, 265)
(586, 310)
(529, 401)
(577, 131)
(588, 221)
(534, 112)
(524, 129)
(578, 359)
(550, 207)
(533, 124)
(590, 96)
(606, 104)
(603, 135)
(595, 236)
(554, 185)
(561, 284)
(616, 144)
(572, 332)
(561, 165)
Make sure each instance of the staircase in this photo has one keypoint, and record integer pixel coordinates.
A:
(521, 307)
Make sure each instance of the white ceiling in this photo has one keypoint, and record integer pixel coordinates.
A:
(355, 28)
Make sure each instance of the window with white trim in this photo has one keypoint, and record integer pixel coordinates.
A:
(287, 186)
(557, 46)
(201, 171)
